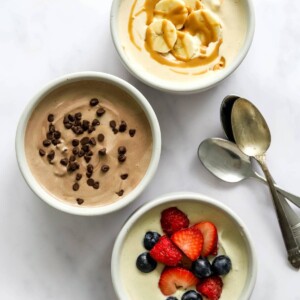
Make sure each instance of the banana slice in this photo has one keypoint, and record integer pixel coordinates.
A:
(193, 4)
(205, 24)
(184, 47)
(173, 10)
(161, 36)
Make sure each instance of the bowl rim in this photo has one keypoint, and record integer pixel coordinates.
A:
(173, 87)
(74, 77)
(177, 197)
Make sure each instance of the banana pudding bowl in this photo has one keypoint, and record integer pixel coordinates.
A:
(88, 143)
(182, 46)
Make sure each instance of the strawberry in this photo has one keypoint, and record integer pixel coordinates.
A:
(173, 278)
(164, 251)
(189, 241)
(210, 287)
(210, 236)
(172, 220)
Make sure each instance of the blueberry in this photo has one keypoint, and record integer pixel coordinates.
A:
(221, 265)
(150, 239)
(202, 268)
(145, 263)
(171, 298)
(191, 295)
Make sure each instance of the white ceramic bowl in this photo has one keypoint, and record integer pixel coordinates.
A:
(207, 209)
(20, 143)
(187, 87)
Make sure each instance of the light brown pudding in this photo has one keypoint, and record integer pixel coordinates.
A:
(88, 143)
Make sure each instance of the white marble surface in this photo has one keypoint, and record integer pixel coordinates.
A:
(46, 254)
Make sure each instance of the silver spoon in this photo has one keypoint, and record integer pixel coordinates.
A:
(226, 161)
(252, 136)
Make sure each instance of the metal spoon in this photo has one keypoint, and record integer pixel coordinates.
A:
(253, 138)
(226, 161)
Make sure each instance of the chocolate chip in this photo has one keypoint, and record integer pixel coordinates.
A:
(91, 129)
(120, 193)
(50, 118)
(122, 150)
(49, 135)
(55, 142)
(112, 124)
(132, 132)
(80, 131)
(96, 185)
(90, 182)
(57, 135)
(102, 152)
(77, 123)
(75, 150)
(124, 176)
(94, 102)
(75, 142)
(86, 148)
(51, 155)
(92, 141)
(42, 152)
(68, 125)
(78, 176)
(51, 128)
(122, 157)
(64, 161)
(90, 153)
(95, 122)
(75, 129)
(104, 168)
(100, 112)
(73, 166)
(88, 175)
(75, 186)
(100, 137)
(115, 130)
(85, 124)
(123, 126)
(87, 158)
(84, 140)
(81, 153)
(71, 118)
(79, 201)
(78, 116)
(90, 168)
(46, 143)
(72, 158)
(66, 119)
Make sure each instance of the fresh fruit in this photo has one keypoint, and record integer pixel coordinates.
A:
(184, 47)
(191, 295)
(193, 4)
(221, 265)
(164, 251)
(161, 36)
(173, 219)
(145, 263)
(150, 239)
(210, 287)
(189, 241)
(172, 10)
(210, 236)
(173, 278)
(202, 268)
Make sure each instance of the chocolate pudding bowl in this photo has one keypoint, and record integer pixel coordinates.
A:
(182, 46)
(88, 143)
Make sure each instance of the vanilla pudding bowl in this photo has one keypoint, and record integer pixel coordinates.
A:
(88, 143)
(182, 46)
(233, 240)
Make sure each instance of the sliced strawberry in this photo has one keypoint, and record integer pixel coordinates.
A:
(189, 241)
(173, 278)
(172, 220)
(164, 251)
(210, 287)
(210, 236)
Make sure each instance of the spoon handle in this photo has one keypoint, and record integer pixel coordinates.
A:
(293, 198)
(286, 230)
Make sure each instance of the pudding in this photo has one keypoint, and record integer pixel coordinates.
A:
(88, 143)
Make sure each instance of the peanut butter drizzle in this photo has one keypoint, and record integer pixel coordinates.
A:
(149, 7)
(165, 36)
(177, 15)
(130, 26)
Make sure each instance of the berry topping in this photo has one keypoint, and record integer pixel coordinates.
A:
(172, 220)
(191, 295)
(202, 268)
(221, 265)
(145, 263)
(211, 287)
(164, 251)
(210, 236)
(173, 278)
(189, 241)
(150, 239)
